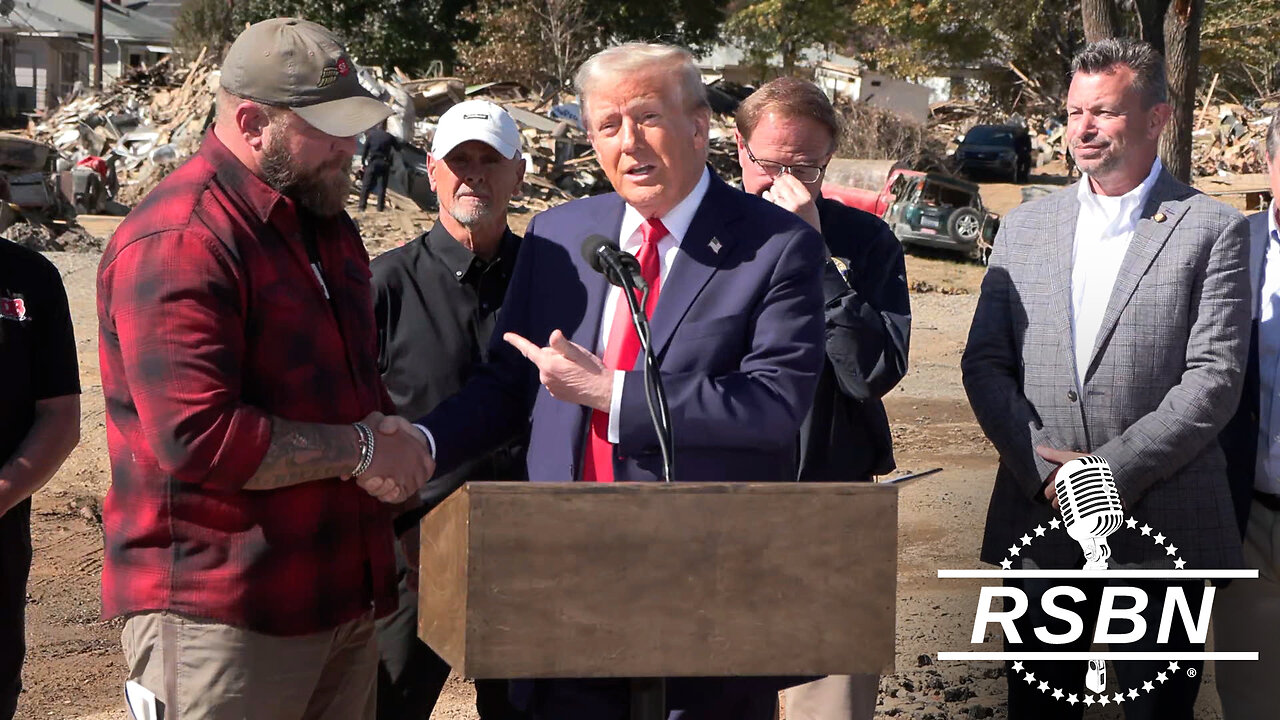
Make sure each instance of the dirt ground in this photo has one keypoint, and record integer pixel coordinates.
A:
(74, 666)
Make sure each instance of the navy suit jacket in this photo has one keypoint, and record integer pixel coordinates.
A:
(738, 333)
(1239, 439)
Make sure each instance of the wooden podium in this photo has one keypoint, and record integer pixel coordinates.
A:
(527, 580)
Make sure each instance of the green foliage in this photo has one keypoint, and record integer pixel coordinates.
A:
(541, 42)
(762, 28)
(1240, 41)
(203, 24)
(408, 34)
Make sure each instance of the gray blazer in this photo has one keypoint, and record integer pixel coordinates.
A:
(1164, 377)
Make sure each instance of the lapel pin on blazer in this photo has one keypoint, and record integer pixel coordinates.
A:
(1159, 217)
(714, 245)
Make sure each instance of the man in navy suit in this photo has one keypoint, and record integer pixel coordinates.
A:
(736, 313)
(1247, 614)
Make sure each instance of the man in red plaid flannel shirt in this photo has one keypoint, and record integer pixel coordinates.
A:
(247, 540)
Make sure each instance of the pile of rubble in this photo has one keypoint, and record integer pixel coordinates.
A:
(134, 132)
(141, 127)
(1230, 139)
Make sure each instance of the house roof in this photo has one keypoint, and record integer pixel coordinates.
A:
(74, 19)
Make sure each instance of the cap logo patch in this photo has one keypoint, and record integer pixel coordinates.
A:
(343, 67)
(475, 116)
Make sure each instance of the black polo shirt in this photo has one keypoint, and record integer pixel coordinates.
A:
(37, 348)
(436, 304)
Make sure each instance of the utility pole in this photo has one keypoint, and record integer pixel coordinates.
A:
(97, 45)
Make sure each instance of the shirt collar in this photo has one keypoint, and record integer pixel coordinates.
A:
(458, 258)
(677, 220)
(1128, 207)
(237, 179)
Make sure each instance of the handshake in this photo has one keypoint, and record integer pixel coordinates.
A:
(402, 461)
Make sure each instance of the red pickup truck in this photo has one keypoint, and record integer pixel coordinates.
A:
(927, 209)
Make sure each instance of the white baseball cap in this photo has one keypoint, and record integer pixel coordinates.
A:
(476, 120)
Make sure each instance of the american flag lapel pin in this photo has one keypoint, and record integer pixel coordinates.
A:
(714, 245)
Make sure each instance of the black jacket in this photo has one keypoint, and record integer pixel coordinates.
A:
(846, 435)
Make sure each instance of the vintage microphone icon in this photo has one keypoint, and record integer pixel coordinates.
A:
(1091, 509)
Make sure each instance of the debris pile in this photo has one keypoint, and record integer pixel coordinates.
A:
(138, 129)
(1230, 139)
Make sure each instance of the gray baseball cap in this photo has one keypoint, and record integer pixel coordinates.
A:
(287, 62)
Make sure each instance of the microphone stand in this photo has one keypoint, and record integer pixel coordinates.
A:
(654, 393)
(648, 695)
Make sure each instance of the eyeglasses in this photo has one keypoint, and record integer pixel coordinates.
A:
(807, 174)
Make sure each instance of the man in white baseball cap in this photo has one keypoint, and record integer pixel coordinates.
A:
(436, 301)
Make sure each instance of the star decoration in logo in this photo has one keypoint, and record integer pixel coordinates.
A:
(1055, 523)
(1039, 531)
(1017, 667)
(1133, 694)
(1159, 538)
(1180, 564)
(1145, 529)
(1073, 699)
(1147, 686)
(1173, 667)
(1131, 523)
(1057, 694)
(1026, 539)
(1088, 700)
(1162, 677)
(1044, 686)
(1006, 564)
(1119, 698)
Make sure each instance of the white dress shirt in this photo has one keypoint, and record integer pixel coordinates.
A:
(1104, 229)
(677, 222)
(1266, 477)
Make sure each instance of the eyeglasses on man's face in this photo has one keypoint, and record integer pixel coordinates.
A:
(807, 174)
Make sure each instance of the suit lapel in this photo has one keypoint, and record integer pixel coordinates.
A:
(1061, 252)
(702, 250)
(1148, 238)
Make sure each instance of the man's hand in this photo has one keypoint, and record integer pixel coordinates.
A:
(1060, 457)
(791, 194)
(569, 371)
(401, 462)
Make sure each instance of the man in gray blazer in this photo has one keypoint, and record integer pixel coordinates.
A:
(1113, 321)
(1246, 616)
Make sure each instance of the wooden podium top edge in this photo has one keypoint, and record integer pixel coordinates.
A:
(699, 488)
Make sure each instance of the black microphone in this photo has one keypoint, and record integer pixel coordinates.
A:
(605, 257)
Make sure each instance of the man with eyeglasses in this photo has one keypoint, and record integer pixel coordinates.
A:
(786, 134)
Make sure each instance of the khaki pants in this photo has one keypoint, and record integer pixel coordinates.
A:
(206, 671)
(837, 697)
(1246, 617)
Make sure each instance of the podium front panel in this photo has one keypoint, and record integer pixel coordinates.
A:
(651, 579)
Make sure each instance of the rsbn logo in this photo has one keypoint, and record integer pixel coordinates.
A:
(1091, 512)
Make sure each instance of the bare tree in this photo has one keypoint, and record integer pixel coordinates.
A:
(568, 32)
(1101, 19)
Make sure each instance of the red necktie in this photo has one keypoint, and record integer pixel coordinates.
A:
(621, 351)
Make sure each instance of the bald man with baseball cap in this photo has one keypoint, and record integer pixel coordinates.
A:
(248, 526)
